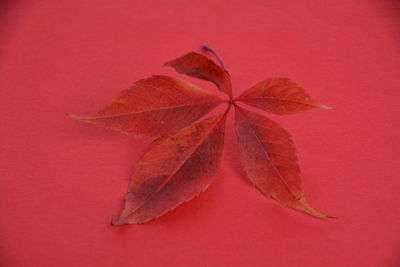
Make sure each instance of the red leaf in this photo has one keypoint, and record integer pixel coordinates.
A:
(270, 161)
(178, 166)
(279, 96)
(154, 106)
(174, 169)
(199, 66)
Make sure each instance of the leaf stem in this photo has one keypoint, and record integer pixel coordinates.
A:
(230, 102)
(215, 53)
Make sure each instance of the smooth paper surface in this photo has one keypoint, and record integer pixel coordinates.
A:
(61, 179)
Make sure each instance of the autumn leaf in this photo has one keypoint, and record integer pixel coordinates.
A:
(174, 169)
(178, 165)
(154, 106)
(269, 158)
(279, 96)
(199, 66)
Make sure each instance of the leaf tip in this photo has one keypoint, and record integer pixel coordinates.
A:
(115, 222)
(331, 217)
(72, 115)
(307, 208)
(325, 107)
(326, 216)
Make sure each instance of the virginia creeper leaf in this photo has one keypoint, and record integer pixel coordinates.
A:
(154, 106)
(199, 66)
(178, 166)
(279, 96)
(269, 158)
(174, 169)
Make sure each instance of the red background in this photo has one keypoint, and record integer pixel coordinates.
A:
(60, 179)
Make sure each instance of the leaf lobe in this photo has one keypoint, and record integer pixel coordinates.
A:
(198, 66)
(154, 106)
(174, 169)
(279, 96)
(269, 158)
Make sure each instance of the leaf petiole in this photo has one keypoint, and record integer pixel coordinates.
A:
(215, 53)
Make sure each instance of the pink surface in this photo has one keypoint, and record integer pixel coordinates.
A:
(60, 179)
